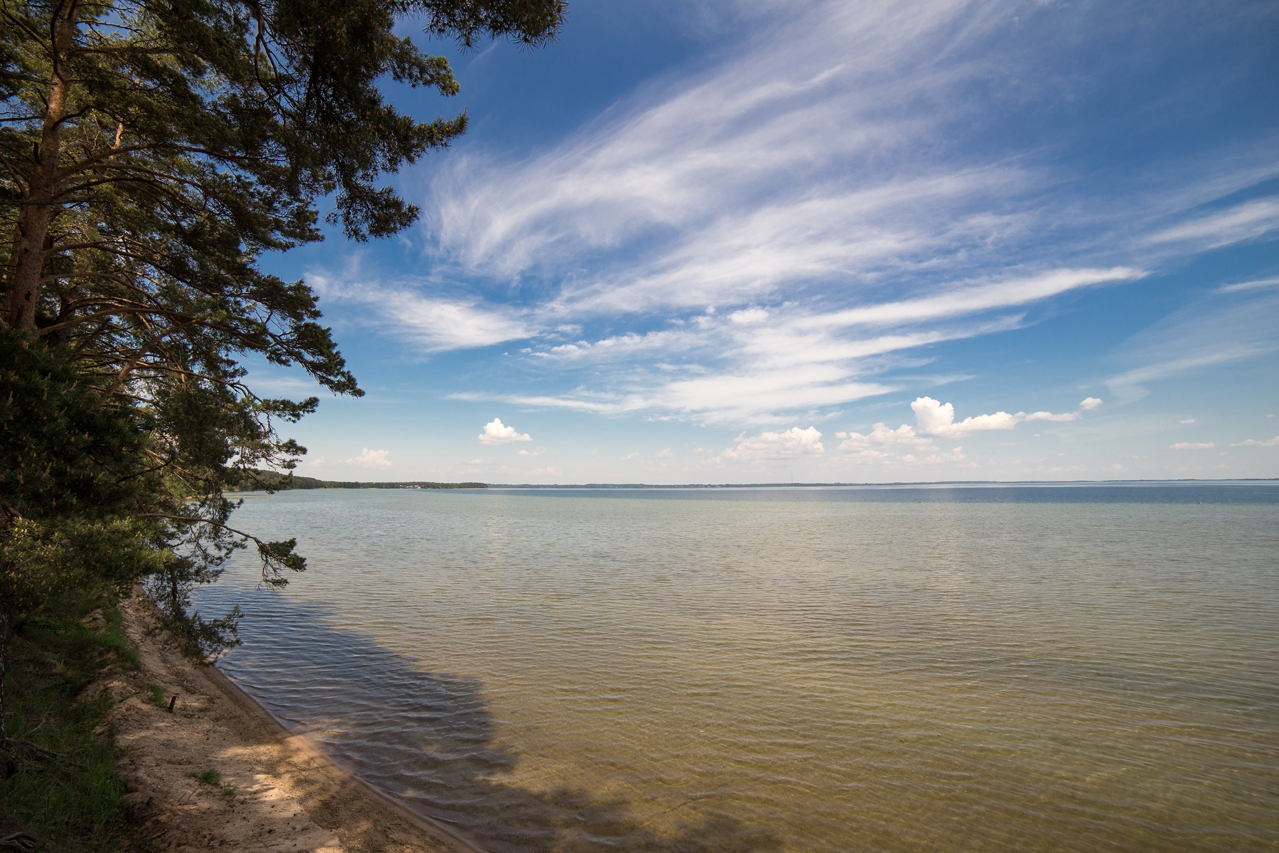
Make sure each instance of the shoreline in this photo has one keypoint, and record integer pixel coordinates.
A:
(275, 790)
(441, 831)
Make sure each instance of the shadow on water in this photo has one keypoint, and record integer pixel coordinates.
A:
(429, 739)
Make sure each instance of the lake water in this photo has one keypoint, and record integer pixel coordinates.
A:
(1065, 668)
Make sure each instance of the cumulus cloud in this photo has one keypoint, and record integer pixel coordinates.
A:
(1193, 445)
(663, 454)
(956, 455)
(883, 446)
(1252, 442)
(790, 444)
(496, 432)
(937, 418)
(933, 420)
(371, 459)
(881, 435)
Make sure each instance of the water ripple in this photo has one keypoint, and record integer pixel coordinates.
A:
(823, 673)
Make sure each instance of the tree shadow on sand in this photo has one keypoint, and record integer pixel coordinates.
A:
(428, 738)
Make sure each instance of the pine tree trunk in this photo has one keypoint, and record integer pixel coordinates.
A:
(27, 261)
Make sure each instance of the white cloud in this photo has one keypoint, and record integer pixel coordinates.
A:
(476, 462)
(969, 299)
(1243, 222)
(1209, 332)
(790, 444)
(371, 459)
(432, 323)
(881, 435)
(826, 184)
(1252, 442)
(663, 454)
(749, 316)
(956, 455)
(1188, 421)
(495, 432)
(936, 418)
(750, 396)
(1193, 445)
(1249, 285)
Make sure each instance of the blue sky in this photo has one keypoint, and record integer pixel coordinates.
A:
(817, 242)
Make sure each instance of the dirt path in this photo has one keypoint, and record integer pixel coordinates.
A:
(274, 792)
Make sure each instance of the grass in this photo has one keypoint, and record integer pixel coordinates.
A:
(65, 791)
(208, 777)
(213, 778)
(157, 696)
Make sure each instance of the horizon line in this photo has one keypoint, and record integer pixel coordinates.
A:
(897, 483)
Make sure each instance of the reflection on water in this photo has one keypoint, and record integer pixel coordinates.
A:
(563, 672)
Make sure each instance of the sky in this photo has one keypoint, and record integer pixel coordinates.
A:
(743, 242)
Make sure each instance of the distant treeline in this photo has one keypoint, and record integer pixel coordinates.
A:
(272, 481)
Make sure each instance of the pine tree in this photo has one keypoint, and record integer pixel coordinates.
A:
(151, 152)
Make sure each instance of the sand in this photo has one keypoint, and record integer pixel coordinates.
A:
(277, 792)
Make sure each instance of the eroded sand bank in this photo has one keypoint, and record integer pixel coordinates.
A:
(276, 791)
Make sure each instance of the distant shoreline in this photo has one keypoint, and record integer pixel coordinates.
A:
(276, 482)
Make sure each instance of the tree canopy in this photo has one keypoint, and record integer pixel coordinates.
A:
(151, 152)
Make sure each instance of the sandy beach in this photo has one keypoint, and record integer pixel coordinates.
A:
(274, 791)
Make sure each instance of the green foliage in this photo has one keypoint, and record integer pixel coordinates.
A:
(208, 777)
(213, 778)
(150, 154)
(61, 452)
(157, 696)
(64, 460)
(65, 791)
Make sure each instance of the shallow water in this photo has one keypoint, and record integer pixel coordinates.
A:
(789, 670)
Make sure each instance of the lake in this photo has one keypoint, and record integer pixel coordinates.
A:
(830, 669)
